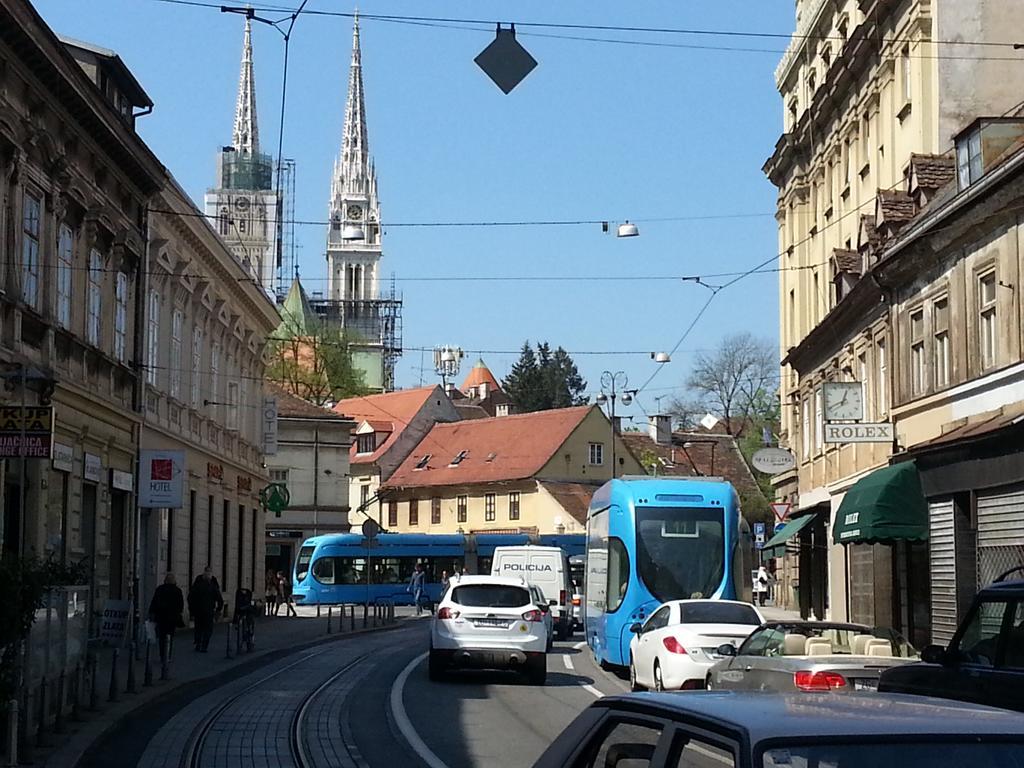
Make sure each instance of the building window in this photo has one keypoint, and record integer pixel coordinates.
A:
(969, 160)
(819, 423)
(214, 370)
(364, 495)
(232, 414)
(65, 270)
(30, 250)
(121, 317)
(881, 394)
(366, 443)
(460, 509)
(197, 361)
(414, 512)
(435, 511)
(940, 329)
(279, 476)
(846, 163)
(489, 507)
(862, 373)
(224, 222)
(918, 365)
(596, 454)
(987, 319)
(905, 74)
(865, 141)
(805, 428)
(95, 298)
(392, 514)
(177, 320)
(513, 505)
(153, 339)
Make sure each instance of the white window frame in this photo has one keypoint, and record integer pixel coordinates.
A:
(906, 75)
(93, 319)
(214, 370)
(152, 336)
(940, 343)
(490, 507)
(862, 372)
(197, 362)
(31, 227)
(595, 454)
(231, 417)
(988, 330)
(819, 421)
(121, 317)
(65, 274)
(918, 355)
(882, 393)
(177, 326)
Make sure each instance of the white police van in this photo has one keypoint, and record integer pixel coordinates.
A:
(547, 568)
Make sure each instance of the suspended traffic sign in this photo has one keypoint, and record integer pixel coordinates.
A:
(505, 61)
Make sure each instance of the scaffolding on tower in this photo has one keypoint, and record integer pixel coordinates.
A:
(287, 267)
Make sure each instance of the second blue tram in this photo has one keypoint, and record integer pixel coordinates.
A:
(339, 568)
(651, 540)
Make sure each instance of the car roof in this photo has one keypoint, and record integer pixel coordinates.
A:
(769, 715)
(1000, 588)
(708, 600)
(506, 581)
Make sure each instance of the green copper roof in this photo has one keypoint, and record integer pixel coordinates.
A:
(299, 319)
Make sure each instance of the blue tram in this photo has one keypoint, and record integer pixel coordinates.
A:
(650, 540)
(340, 568)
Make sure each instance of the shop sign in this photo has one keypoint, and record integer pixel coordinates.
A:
(115, 620)
(772, 461)
(276, 534)
(161, 479)
(63, 457)
(859, 433)
(122, 481)
(93, 469)
(244, 483)
(214, 472)
(26, 431)
(270, 426)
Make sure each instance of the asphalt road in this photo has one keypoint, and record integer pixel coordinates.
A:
(362, 702)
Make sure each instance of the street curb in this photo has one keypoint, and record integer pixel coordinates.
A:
(175, 688)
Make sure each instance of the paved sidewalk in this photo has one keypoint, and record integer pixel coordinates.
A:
(772, 613)
(274, 635)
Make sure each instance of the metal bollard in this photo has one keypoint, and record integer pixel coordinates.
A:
(330, 613)
(94, 695)
(76, 694)
(165, 662)
(227, 643)
(58, 722)
(318, 610)
(12, 734)
(147, 673)
(366, 613)
(24, 729)
(112, 693)
(41, 725)
(130, 688)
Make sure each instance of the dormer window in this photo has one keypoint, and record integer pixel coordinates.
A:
(366, 443)
(422, 463)
(458, 459)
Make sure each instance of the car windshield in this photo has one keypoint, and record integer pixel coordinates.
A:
(490, 596)
(680, 551)
(713, 612)
(826, 639)
(980, 638)
(302, 563)
(906, 755)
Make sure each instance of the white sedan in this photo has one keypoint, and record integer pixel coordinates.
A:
(677, 645)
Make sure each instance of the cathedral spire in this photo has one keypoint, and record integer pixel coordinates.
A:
(353, 171)
(246, 137)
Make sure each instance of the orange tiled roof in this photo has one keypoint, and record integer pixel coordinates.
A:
(480, 374)
(290, 406)
(496, 449)
(395, 408)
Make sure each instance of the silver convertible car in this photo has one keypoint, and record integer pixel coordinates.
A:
(810, 656)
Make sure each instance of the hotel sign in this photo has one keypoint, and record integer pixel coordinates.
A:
(859, 433)
(26, 431)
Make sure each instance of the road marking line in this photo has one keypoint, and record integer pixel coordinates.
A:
(593, 690)
(567, 661)
(402, 718)
(580, 646)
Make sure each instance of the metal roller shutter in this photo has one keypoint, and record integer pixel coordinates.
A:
(1000, 532)
(942, 556)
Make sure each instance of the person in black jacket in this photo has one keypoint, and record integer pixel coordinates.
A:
(204, 601)
(165, 611)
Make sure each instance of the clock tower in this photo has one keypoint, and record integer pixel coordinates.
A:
(353, 240)
(243, 206)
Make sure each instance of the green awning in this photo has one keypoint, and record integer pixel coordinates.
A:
(788, 531)
(886, 506)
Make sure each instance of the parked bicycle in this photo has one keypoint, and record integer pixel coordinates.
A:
(244, 619)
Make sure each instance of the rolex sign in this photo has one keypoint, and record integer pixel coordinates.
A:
(161, 479)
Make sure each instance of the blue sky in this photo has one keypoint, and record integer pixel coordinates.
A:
(597, 131)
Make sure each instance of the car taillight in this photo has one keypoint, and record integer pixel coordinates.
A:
(672, 645)
(447, 613)
(576, 601)
(561, 597)
(818, 681)
(534, 615)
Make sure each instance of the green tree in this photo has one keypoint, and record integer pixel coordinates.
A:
(544, 380)
(314, 363)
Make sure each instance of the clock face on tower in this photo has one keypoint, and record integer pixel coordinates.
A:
(355, 212)
(242, 203)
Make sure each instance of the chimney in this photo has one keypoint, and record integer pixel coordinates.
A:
(617, 425)
(661, 429)
(483, 390)
(449, 388)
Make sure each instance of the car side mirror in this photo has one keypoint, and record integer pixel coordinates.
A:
(636, 628)
(543, 608)
(726, 650)
(934, 654)
(552, 602)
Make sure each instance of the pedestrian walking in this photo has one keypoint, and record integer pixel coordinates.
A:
(416, 583)
(272, 595)
(165, 611)
(445, 581)
(205, 601)
(286, 594)
(761, 585)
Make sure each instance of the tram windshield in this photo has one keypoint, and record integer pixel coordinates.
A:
(680, 551)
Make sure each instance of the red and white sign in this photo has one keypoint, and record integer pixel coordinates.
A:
(781, 510)
(161, 479)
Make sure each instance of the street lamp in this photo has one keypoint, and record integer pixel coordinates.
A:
(612, 386)
(627, 229)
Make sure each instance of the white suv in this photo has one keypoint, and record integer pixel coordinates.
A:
(489, 622)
